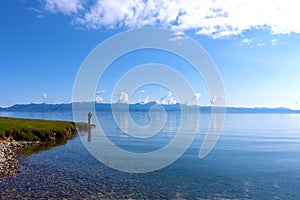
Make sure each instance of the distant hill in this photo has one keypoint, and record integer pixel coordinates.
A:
(105, 107)
(38, 108)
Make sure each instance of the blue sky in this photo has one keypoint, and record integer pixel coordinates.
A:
(256, 48)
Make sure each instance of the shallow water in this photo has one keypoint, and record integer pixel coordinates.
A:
(256, 157)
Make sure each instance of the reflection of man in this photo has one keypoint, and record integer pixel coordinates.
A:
(89, 134)
(89, 119)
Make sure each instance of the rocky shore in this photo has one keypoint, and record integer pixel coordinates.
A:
(17, 134)
(8, 155)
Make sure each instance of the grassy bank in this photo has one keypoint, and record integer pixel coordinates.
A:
(37, 130)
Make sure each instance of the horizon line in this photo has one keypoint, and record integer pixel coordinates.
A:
(152, 102)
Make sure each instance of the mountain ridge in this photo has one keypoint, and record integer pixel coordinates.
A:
(67, 107)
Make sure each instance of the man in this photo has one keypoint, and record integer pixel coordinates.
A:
(89, 118)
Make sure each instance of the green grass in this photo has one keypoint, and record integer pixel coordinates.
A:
(37, 130)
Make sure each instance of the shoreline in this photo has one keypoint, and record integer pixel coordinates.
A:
(19, 134)
(9, 150)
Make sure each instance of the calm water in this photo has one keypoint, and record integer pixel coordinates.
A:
(257, 157)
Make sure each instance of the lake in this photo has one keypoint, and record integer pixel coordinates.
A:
(256, 157)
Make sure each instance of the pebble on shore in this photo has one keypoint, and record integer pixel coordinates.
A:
(8, 156)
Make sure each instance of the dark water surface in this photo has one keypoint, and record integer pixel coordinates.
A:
(256, 157)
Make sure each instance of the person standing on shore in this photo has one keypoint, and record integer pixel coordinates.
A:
(89, 126)
(89, 119)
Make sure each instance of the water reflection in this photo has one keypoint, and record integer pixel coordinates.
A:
(123, 121)
(255, 158)
(89, 135)
(46, 146)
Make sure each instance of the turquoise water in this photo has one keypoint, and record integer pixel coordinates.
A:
(256, 157)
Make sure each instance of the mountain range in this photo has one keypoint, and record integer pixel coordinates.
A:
(138, 107)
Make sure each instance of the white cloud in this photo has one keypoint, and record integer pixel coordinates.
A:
(123, 98)
(146, 100)
(197, 96)
(164, 99)
(167, 99)
(261, 44)
(38, 13)
(274, 42)
(64, 6)
(218, 18)
(99, 99)
(246, 41)
(213, 99)
(45, 96)
(178, 37)
(100, 92)
(171, 101)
